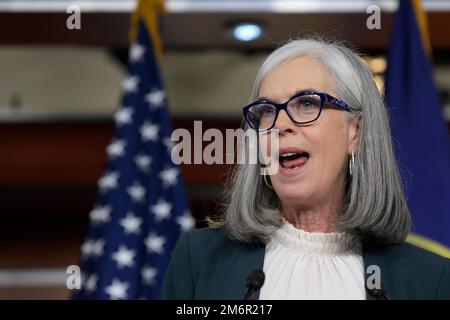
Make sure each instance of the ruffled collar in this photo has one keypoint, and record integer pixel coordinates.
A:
(315, 243)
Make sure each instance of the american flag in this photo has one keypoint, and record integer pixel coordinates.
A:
(141, 206)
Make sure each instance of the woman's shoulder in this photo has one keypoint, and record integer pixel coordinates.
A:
(421, 273)
(203, 244)
(204, 261)
(213, 238)
(407, 253)
(206, 233)
(205, 237)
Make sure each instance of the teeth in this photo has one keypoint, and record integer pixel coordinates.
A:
(288, 154)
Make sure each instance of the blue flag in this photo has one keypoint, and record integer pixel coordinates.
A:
(142, 206)
(419, 132)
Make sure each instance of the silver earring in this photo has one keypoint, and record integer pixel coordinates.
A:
(265, 180)
(351, 163)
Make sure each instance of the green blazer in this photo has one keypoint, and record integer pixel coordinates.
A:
(206, 264)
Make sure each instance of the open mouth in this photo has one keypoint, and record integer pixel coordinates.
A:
(292, 160)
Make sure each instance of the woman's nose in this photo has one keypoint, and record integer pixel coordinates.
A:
(284, 123)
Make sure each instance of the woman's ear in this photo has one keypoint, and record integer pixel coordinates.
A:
(354, 129)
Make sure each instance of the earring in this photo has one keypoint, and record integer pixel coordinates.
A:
(269, 185)
(351, 163)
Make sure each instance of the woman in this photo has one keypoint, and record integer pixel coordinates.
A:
(331, 223)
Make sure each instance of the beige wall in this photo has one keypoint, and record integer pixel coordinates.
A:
(87, 80)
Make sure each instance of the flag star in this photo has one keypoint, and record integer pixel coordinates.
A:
(136, 52)
(131, 223)
(116, 148)
(137, 192)
(123, 116)
(124, 257)
(100, 214)
(117, 290)
(130, 84)
(86, 249)
(91, 283)
(92, 248)
(97, 247)
(154, 243)
(168, 143)
(149, 131)
(108, 181)
(149, 274)
(186, 221)
(143, 162)
(161, 210)
(155, 98)
(169, 176)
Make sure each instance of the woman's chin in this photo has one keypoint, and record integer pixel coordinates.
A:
(292, 197)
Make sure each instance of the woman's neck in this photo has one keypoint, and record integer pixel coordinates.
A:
(312, 219)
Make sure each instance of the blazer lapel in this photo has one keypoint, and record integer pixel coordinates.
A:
(238, 266)
(252, 259)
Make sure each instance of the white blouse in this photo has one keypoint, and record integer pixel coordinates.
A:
(303, 265)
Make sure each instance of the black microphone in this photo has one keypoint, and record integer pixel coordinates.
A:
(254, 282)
(378, 294)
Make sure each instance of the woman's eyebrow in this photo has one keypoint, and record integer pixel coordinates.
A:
(294, 94)
(305, 90)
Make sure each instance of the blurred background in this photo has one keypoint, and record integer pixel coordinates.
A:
(59, 89)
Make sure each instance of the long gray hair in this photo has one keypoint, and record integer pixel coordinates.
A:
(374, 205)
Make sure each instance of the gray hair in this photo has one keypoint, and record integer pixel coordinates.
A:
(374, 206)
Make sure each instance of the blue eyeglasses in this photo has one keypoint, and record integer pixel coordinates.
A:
(304, 107)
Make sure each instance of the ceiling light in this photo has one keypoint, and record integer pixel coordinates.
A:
(247, 31)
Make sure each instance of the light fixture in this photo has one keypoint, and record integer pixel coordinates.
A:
(247, 31)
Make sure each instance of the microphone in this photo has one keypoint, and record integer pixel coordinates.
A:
(378, 294)
(254, 282)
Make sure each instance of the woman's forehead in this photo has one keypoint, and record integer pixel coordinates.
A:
(297, 74)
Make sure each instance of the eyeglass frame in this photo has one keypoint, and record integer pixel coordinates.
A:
(324, 97)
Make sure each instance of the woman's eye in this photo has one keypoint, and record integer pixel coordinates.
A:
(265, 110)
(307, 103)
